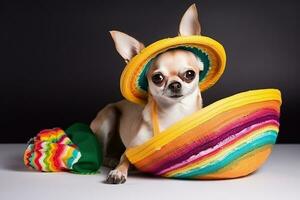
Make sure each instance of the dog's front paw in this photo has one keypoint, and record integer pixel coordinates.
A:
(116, 177)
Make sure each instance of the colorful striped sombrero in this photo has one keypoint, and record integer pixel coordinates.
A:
(230, 138)
(133, 81)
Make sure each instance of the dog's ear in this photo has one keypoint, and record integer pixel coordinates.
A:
(126, 45)
(189, 24)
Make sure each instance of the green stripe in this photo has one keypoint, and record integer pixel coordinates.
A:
(268, 137)
(46, 161)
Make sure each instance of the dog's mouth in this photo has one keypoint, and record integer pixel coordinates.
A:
(176, 96)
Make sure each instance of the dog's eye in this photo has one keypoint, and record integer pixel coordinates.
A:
(189, 75)
(158, 78)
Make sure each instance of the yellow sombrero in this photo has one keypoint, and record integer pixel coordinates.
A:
(133, 82)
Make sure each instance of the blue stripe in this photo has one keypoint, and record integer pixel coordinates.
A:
(72, 158)
(268, 137)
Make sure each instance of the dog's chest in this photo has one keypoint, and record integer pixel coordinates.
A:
(173, 114)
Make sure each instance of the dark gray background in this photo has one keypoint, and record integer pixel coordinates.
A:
(58, 62)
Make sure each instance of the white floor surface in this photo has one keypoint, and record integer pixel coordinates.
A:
(279, 178)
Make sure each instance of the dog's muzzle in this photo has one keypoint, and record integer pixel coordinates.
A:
(175, 88)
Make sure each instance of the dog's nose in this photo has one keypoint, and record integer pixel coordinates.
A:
(175, 86)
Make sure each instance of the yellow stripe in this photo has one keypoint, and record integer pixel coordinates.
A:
(140, 152)
(154, 117)
(68, 155)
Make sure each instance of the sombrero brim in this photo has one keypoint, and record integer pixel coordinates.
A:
(133, 82)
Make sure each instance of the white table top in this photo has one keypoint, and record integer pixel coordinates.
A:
(279, 178)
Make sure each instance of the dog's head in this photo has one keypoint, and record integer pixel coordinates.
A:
(173, 74)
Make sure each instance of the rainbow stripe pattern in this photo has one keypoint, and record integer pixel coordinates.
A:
(230, 138)
(51, 151)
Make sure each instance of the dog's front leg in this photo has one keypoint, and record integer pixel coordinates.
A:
(119, 174)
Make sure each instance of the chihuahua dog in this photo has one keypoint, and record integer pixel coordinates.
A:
(172, 83)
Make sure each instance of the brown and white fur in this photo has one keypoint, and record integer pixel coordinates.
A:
(173, 85)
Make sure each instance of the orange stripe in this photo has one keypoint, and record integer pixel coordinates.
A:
(243, 166)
